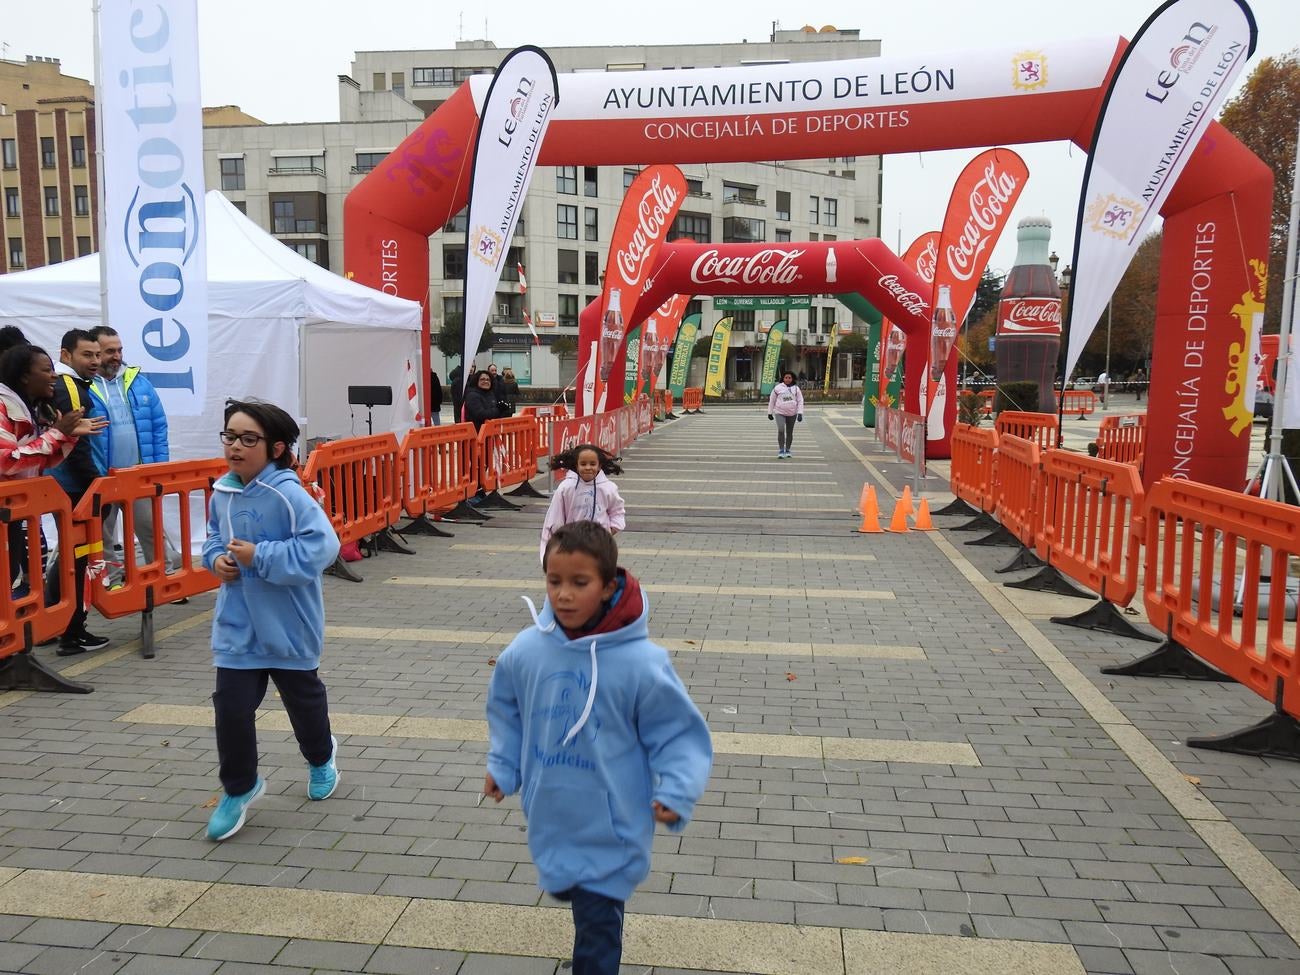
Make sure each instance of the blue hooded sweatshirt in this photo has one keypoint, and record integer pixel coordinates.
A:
(593, 730)
(273, 615)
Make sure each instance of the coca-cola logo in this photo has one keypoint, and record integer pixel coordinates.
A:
(771, 265)
(928, 261)
(1030, 315)
(908, 299)
(988, 203)
(654, 213)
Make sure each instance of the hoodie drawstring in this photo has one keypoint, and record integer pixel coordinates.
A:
(532, 609)
(591, 700)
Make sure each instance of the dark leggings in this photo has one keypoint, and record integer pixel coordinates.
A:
(238, 695)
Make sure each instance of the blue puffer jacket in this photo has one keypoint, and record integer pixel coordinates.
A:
(150, 420)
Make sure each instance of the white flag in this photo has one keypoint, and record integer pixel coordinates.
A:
(154, 239)
(1163, 96)
(516, 112)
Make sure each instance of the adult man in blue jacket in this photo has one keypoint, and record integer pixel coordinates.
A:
(137, 434)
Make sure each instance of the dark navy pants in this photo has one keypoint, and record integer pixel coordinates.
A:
(238, 695)
(597, 932)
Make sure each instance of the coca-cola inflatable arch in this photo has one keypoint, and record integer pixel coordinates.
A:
(1015, 94)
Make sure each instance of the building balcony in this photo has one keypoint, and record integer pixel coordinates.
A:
(743, 206)
(295, 171)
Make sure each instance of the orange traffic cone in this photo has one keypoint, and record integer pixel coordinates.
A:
(923, 522)
(906, 500)
(898, 523)
(870, 511)
(862, 498)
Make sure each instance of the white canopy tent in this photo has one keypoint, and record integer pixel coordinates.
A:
(281, 329)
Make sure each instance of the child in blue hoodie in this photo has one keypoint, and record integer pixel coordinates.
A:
(268, 542)
(588, 719)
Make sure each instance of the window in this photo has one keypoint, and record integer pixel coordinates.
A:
(744, 365)
(379, 81)
(742, 321)
(830, 315)
(232, 174)
(830, 211)
(16, 252)
(366, 161)
(51, 201)
(568, 310)
(743, 230)
(430, 76)
(589, 181)
(78, 151)
(628, 176)
(782, 236)
(591, 224)
(47, 153)
(814, 237)
(316, 251)
(464, 74)
(13, 206)
(240, 205)
(829, 237)
(695, 187)
(81, 201)
(282, 217)
(741, 192)
(814, 210)
(567, 269)
(298, 213)
(83, 246)
(460, 222)
(399, 83)
(566, 219)
(782, 205)
(692, 226)
(453, 306)
(453, 262)
(54, 247)
(9, 150)
(566, 180)
(298, 165)
(591, 260)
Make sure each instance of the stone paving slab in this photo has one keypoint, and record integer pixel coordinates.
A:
(1076, 842)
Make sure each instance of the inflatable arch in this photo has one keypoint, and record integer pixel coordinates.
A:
(1216, 219)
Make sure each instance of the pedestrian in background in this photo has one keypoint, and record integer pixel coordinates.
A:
(586, 493)
(785, 406)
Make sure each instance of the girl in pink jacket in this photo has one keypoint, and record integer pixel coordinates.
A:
(586, 493)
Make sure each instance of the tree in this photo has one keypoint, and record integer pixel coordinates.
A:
(1132, 315)
(451, 340)
(973, 343)
(564, 346)
(1264, 115)
(987, 294)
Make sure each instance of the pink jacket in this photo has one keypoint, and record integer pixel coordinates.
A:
(576, 500)
(785, 400)
(24, 452)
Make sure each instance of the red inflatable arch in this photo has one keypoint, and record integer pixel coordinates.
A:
(1217, 215)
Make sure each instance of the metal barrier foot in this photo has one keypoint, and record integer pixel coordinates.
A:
(422, 525)
(1000, 537)
(147, 649)
(982, 522)
(495, 501)
(1025, 559)
(341, 570)
(526, 490)
(669, 416)
(24, 672)
(464, 511)
(1170, 659)
(1107, 618)
(389, 541)
(1049, 579)
(1277, 736)
(958, 509)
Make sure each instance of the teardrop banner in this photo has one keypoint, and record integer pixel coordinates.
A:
(715, 379)
(979, 210)
(632, 365)
(682, 354)
(922, 256)
(772, 356)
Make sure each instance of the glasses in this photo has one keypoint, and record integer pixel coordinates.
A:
(247, 439)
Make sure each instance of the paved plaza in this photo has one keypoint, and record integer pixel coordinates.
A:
(916, 771)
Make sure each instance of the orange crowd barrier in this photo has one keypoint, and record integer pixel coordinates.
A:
(1017, 505)
(1079, 402)
(25, 620)
(692, 399)
(149, 584)
(1213, 560)
(973, 457)
(360, 483)
(1038, 427)
(986, 401)
(545, 417)
(664, 405)
(1123, 439)
(507, 452)
(439, 470)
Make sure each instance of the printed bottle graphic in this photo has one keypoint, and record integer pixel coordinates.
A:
(611, 333)
(943, 333)
(830, 265)
(1029, 314)
(894, 347)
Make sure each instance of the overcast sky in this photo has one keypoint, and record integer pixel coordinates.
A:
(279, 60)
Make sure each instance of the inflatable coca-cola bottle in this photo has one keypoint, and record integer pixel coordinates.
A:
(1029, 315)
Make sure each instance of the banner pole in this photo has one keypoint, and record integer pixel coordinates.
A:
(100, 215)
(1273, 485)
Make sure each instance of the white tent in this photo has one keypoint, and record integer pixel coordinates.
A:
(281, 328)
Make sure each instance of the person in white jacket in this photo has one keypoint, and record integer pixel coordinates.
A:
(785, 405)
(586, 493)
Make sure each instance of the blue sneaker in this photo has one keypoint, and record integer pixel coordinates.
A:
(324, 779)
(228, 818)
